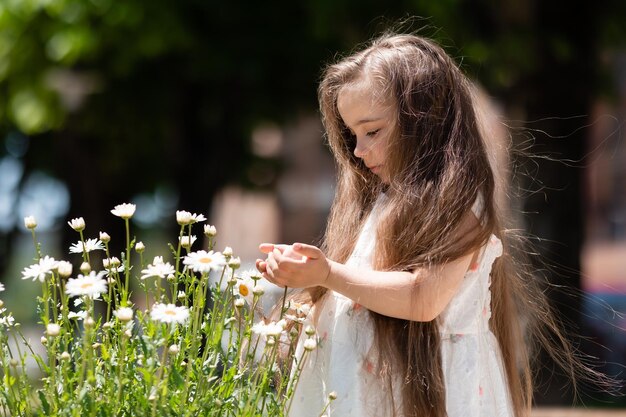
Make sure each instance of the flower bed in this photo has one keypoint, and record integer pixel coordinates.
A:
(194, 349)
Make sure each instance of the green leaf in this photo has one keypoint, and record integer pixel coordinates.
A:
(44, 402)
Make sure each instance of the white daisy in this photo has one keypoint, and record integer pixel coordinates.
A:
(30, 222)
(158, 269)
(187, 241)
(90, 245)
(244, 288)
(53, 329)
(203, 261)
(124, 314)
(210, 230)
(77, 224)
(184, 217)
(274, 329)
(91, 285)
(125, 211)
(80, 315)
(39, 270)
(310, 344)
(169, 313)
(64, 268)
(7, 321)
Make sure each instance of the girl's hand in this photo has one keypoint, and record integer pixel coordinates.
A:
(296, 266)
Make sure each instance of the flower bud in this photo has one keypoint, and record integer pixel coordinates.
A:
(53, 329)
(181, 295)
(128, 333)
(258, 290)
(107, 325)
(332, 395)
(104, 237)
(65, 356)
(96, 345)
(174, 349)
(140, 247)
(85, 268)
(30, 222)
(239, 302)
(124, 314)
(64, 269)
(89, 322)
(77, 224)
(271, 341)
(228, 251)
(309, 330)
(13, 362)
(114, 262)
(187, 241)
(310, 344)
(1, 303)
(210, 230)
(125, 211)
(183, 217)
(234, 263)
(44, 341)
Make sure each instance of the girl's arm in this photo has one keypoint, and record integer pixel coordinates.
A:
(420, 295)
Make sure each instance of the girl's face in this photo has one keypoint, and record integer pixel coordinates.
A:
(370, 119)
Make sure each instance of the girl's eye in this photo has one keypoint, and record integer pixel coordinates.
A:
(372, 133)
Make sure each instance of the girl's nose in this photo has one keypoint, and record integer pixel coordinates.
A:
(359, 150)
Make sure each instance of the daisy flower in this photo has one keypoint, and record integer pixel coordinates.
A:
(244, 287)
(125, 211)
(30, 222)
(64, 268)
(274, 329)
(124, 313)
(158, 269)
(169, 313)
(77, 224)
(187, 241)
(91, 285)
(90, 245)
(7, 321)
(185, 218)
(39, 270)
(210, 230)
(80, 315)
(203, 261)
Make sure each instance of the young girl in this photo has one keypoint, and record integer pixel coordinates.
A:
(415, 306)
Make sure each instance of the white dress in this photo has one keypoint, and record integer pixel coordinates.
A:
(343, 361)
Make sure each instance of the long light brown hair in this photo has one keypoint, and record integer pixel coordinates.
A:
(438, 165)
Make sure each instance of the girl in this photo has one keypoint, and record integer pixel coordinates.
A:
(413, 298)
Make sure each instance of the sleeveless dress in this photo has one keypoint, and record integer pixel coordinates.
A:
(344, 361)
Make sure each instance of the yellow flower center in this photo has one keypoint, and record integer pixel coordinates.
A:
(86, 285)
(206, 260)
(243, 290)
(170, 312)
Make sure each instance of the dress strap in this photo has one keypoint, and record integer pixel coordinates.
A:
(479, 205)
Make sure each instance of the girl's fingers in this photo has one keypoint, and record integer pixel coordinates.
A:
(309, 251)
(260, 265)
(269, 247)
(271, 264)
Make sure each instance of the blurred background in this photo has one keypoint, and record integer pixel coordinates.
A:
(211, 107)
